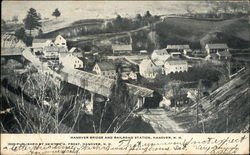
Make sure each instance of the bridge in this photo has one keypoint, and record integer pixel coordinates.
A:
(93, 83)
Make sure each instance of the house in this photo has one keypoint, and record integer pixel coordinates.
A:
(106, 69)
(178, 48)
(218, 51)
(121, 49)
(225, 55)
(175, 65)
(149, 69)
(60, 41)
(52, 52)
(70, 61)
(214, 48)
(160, 54)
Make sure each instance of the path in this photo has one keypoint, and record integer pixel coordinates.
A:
(160, 122)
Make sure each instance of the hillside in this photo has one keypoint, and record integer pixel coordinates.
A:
(225, 110)
(181, 30)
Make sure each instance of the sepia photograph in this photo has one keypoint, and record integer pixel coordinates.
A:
(92, 67)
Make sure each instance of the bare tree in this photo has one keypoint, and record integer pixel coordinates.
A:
(41, 107)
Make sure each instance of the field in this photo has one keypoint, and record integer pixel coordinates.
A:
(192, 31)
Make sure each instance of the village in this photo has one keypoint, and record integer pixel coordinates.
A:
(111, 82)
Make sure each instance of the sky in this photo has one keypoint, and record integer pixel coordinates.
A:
(97, 9)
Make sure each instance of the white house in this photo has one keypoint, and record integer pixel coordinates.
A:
(160, 54)
(70, 61)
(60, 41)
(149, 69)
(175, 65)
(121, 49)
(106, 69)
(214, 48)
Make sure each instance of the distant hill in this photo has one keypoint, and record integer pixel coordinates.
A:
(220, 37)
(192, 31)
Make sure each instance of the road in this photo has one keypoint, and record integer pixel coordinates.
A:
(160, 122)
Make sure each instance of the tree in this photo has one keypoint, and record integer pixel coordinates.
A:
(147, 15)
(117, 110)
(3, 24)
(138, 17)
(15, 19)
(56, 13)
(39, 105)
(32, 19)
(20, 34)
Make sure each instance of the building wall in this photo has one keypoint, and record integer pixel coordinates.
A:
(72, 62)
(175, 68)
(49, 54)
(60, 41)
(148, 70)
(110, 74)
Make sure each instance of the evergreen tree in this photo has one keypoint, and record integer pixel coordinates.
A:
(56, 13)
(32, 19)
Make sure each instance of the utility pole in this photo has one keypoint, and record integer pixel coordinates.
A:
(198, 100)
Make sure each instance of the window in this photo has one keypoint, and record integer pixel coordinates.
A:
(74, 65)
(63, 43)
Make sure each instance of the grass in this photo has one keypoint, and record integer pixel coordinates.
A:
(180, 30)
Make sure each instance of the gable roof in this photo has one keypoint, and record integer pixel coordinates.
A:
(106, 66)
(176, 61)
(217, 46)
(122, 47)
(178, 47)
(39, 40)
(160, 51)
(55, 49)
(72, 49)
(106, 82)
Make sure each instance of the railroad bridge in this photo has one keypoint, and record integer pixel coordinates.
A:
(101, 85)
(93, 83)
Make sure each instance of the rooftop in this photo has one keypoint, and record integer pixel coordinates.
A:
(106, 66)
(178, 47)
(116, 47)
(55, 49)
(217, 46)
(176, 61)
(106, 82)
(39, 40)
(160, 51)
